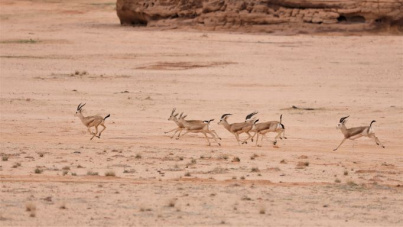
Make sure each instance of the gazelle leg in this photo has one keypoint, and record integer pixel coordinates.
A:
(215, 133)
(174, 133)
(172, 130)
(99, 135)
(215, 139)
(180, 131)
(253, 136)
(208, 141)
(182, 134)
(246, 140)
(257, 140)
(377, 141)
(284, 134)
(261, 140)
(237, 138)
(340, 144)
(90, 131)
(96, 132)
(275, 138)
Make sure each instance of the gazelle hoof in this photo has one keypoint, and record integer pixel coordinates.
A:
(251, 140)
(383, 146)
(219, 138)
(285, 137)
(334, 149)
(219, 144)
(275, 142)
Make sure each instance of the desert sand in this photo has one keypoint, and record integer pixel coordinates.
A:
(51, 174)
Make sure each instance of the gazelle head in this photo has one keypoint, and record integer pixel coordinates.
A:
(250, 117)
(173, 115)
(79, 108)
(343, 120)
(223, 118)
(208, 122)
(254, 123)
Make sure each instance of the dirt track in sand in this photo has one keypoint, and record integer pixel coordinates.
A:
(139, 75)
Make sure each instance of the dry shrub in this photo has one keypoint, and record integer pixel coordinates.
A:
(92, 173)
(110, 174)
(171, 203)
(31, 208)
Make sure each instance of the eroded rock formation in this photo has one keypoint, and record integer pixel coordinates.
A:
(265, 15)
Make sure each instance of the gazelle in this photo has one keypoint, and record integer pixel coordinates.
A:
(356, 132)
(269, 126)
(174, 118)
(91, 121)
(196, 126)
(238, 128)
(199, 121)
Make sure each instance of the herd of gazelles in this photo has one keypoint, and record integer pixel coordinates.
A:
(250, 125)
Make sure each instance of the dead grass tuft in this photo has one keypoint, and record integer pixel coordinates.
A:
(110, 174)
(223, 157)
(16, 165)
(254, 156)
(262, 211)
(171, 203)
(92, 173)
(38, 170)
(30, 207)
(351, 183)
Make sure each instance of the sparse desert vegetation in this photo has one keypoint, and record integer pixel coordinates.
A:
(110, 173)
(38, 170)
(92, 173)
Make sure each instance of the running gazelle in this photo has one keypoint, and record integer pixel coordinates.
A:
(91, 121)
(356, 132)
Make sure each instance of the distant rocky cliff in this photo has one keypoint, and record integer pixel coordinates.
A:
(288, 16)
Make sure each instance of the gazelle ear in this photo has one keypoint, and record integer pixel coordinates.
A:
(184, 116)
(176, 115)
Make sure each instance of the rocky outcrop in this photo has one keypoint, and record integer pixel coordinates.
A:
(295, 16)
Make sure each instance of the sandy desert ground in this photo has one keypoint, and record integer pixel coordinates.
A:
(51, 174)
